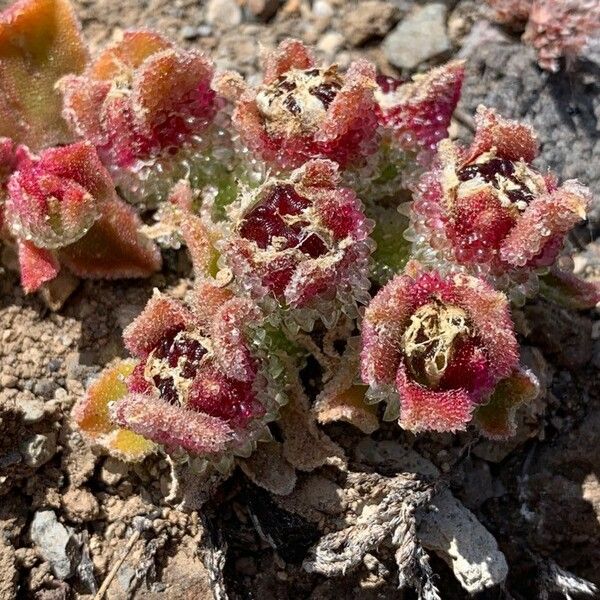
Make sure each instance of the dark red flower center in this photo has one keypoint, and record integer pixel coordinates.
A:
(175, 367)
(231, 400)
(276, 219)
(277, 223)
(177, 356)
(498, 172)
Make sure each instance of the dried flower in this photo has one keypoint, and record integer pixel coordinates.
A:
(487, 208)
(302, 242)
(561, 28)
(440, 344)
(40, 42)
(141, 102)
(198, 384)
(555, 28)
(304, 111)
(62, 209)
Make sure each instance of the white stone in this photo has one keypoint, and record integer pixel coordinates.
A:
(330, 43)
(224, 13)
(418, 37)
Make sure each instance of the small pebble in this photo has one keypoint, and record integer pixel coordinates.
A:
(189, 32)
(54, 542)
(223, 13)
(418, 37)
(38, 449)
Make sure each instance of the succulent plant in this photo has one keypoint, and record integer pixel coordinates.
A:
(40, 42)
(304, 110)
(302, 243)
(197, 384)
(62, 209)
(301, 201)
(560, 29)
(436, 347)
(149, 109)
(93, 417)
(487, 208)
(557, 29)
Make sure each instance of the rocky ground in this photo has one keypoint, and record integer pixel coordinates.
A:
(71, 520)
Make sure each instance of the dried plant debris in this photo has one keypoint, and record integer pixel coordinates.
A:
(556, 579)
(387, 511)
(413, 513)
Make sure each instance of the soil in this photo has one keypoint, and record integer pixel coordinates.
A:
(69, 516)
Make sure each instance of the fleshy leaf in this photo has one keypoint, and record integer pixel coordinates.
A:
(290, 54)
(342, 399)
(161, 316)
(511, 139)
(92, 416)
(496, 418)
(424, 409)
(347, 405)
(195, 235)
(54, 199)
(37, 266)
(547, 218)
(206, 300)
(92, 413)
(113, 248)
(130, 446)
(40, 42)
(172, 426)
(419, 112)
(569, 290)
(226, 332)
